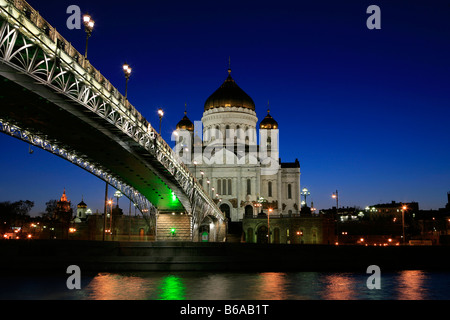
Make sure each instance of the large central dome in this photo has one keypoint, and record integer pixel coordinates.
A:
(229, 95)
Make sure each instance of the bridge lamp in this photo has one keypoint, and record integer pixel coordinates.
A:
(88, 27)
(161, 115)
(127, 72)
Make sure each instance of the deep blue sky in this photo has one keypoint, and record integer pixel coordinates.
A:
(365, 111)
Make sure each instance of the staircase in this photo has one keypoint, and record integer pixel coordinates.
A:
(173, 228)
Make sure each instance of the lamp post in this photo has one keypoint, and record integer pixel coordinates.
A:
(336, 196)
(88, 27)
(127, 72)
(110, 202)
(305, 193)
(161, 115)
(268, 224)
(118, 195)
(403, 223)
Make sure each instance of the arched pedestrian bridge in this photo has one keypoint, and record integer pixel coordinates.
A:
(53, 98)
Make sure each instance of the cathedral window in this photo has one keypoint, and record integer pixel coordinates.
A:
(224, 186)
(229, 187)
(219, 186)
(270, 189)
(249, 187)
(289, 191)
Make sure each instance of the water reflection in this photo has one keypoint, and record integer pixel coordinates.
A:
(411, 285)
(338, 287)
(172, 288)
(271, 286)
(405, 285)
(109, 286)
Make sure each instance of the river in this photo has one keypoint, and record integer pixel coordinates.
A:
(403, 285)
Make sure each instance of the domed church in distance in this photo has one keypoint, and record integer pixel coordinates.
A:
(224, 155)
(240, 167)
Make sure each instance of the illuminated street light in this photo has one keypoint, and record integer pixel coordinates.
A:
(404, 208)
(161, 115)
(305, 192)
(127, 71)
(118, 195)
(268, 224)
(88, 27)
(336, 196)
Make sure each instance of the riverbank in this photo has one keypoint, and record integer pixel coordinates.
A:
(97, 256)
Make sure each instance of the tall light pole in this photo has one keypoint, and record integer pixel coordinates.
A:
(161, 115)
(104, 218)
(268, 224)
(88, 27)
(336, 196)
(110, 202)
(305, 193)
(403, 223)
(127, 72)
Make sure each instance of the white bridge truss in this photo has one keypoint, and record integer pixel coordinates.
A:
(31, 47)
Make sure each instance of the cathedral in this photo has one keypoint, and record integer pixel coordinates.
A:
(237, 164)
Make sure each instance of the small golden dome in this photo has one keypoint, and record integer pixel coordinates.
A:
(268, 122)
(185, 123)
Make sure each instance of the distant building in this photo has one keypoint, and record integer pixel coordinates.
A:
(63, 211)
(82, 210)
(393, 209)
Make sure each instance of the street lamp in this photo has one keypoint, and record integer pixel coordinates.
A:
(268, 224)
(110, 202)
(336, 196)
(118, 195)
(127, 72)
(88, 27)
(403, 223)
(161, 115)
(305, 193)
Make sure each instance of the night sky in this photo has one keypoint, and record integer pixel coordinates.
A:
(366, 112)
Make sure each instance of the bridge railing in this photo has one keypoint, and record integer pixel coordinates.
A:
(55, 43)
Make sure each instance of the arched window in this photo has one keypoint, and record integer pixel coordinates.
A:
(226, 210)
(289, 191)
(249, 235)
(217, 133)
(249, 187)
(227, 132)
(269, 185)
(249, 211)
(229, 187)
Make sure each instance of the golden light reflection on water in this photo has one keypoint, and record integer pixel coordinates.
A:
(271, 286)
(338, 287)
(411, 285)
(117, 287)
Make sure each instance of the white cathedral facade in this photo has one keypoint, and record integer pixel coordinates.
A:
(222, 151)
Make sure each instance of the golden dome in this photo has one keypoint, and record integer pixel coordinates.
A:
(229, 95)
(185, 123)
(268, 122)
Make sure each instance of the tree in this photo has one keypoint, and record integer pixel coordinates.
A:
(15, 213)
(50, 209)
